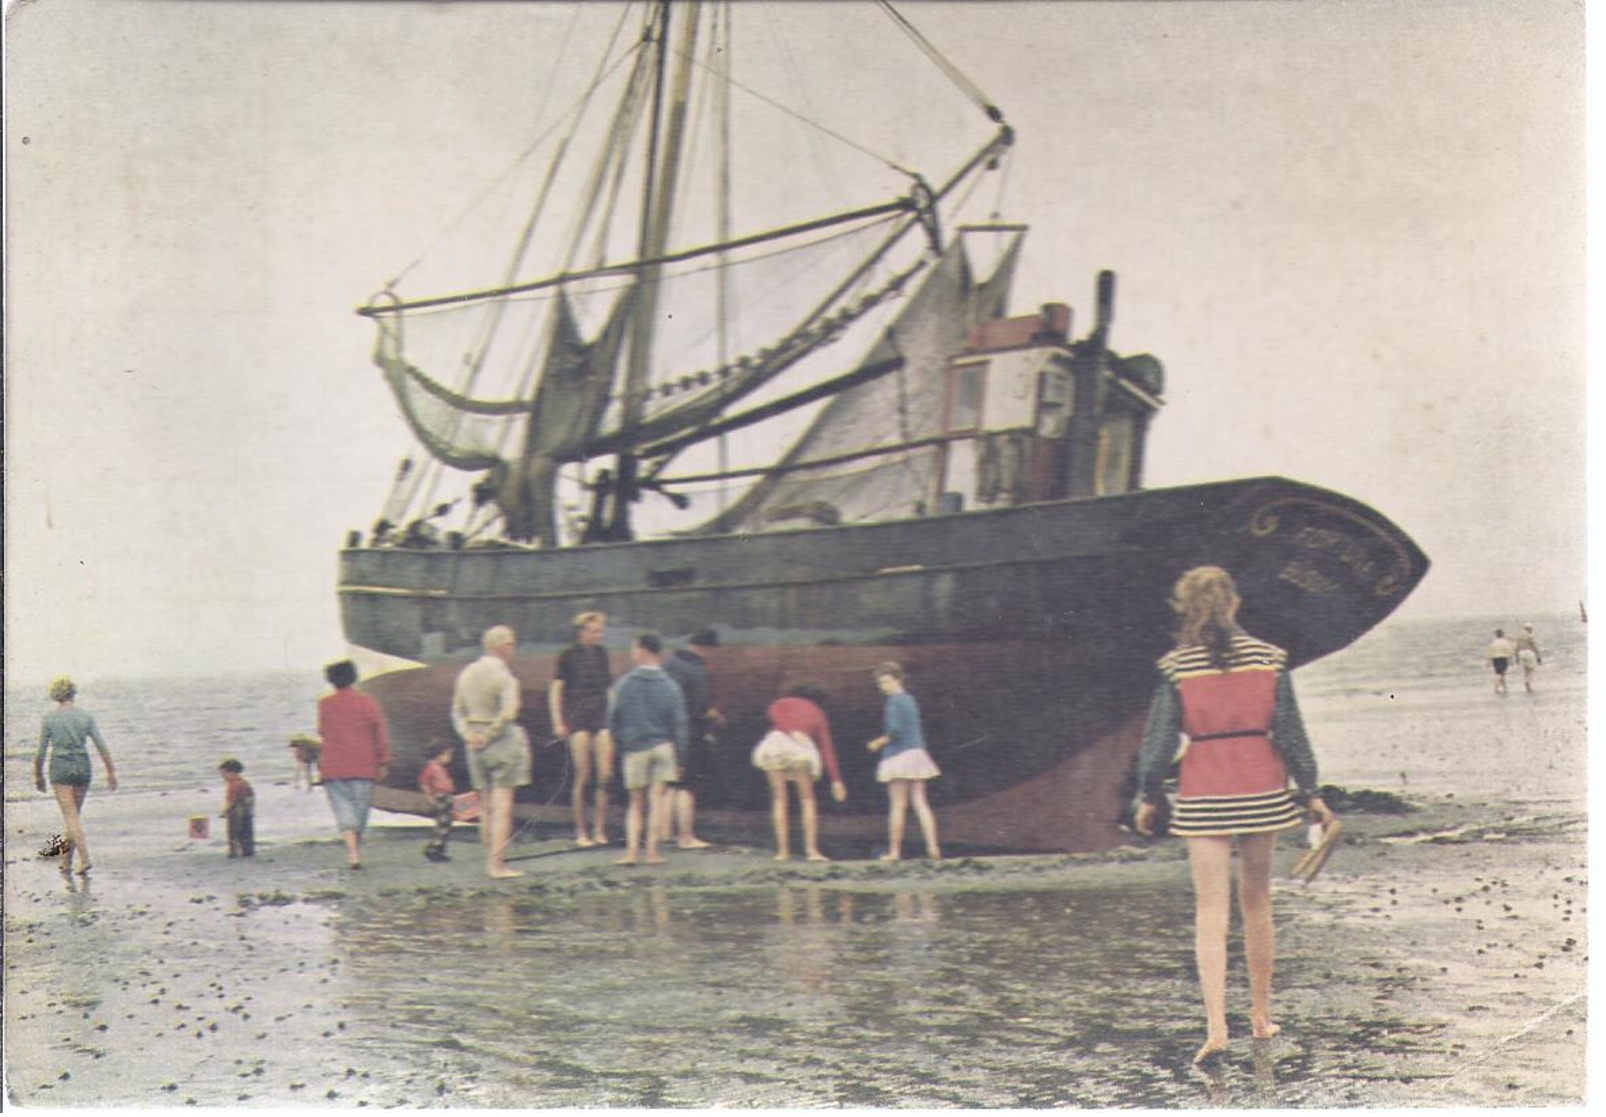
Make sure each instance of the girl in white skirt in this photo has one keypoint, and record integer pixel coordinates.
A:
(905, 764)
(791, 754)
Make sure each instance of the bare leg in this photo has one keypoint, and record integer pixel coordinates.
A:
(353, 846)
(657, 811)
(778, 815)
(811, 815)
(70, 799)
(1211, 862)
(633, 820)
(604, 746)
(485, 820)
(686, 816)
(898, 804)
(580, 758)
(928, 821)
(501, 804)
(1254, 902)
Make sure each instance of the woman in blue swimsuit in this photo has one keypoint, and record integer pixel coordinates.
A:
(64, 738)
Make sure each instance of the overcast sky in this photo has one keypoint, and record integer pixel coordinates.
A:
(1353, 231)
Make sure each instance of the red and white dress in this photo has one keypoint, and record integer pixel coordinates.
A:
(1240, 735)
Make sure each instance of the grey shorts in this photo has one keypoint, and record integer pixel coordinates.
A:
(350, 800)
(505, 762)
(650, 766)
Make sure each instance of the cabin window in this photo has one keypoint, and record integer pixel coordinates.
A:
(966, 384)
(1054, 403)
(1115, 455)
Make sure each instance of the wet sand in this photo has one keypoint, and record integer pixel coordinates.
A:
(1415, 971)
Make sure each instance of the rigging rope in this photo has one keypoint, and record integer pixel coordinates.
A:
(795, 115)
(969, 88)
(577, 106)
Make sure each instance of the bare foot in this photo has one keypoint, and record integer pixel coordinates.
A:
(695, 843)
(655, 859)
(83, 869)
(505, 873)
(782, 857)
(584, 842)
(1212, 1049)
(1265, 1029)
(601, 839)
(934, 855)
(627, 859)
(818, 856)
(889, 857)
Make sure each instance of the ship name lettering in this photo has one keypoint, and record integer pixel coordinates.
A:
(1307, 578)
(1348, 550)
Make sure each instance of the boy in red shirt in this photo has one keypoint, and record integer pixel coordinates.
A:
(436, 782)
(239, 808)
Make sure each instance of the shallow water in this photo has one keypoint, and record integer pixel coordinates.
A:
(796, 996)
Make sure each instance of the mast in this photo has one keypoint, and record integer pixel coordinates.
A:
(658, 202)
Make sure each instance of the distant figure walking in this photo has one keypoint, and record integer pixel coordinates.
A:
(648, 720)
(791, 753)
(64, 738)
(304, 749)
(1528, 656)
(1500, 652)
(1231, 695)
(239, 809)
(436, 782)
(578, 702)
(485, 703)
(356, 753)
(905, 764)
(688, 666)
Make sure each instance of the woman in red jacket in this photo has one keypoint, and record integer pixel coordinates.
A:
(356, 753)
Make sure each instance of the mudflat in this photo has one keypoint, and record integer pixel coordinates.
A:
(1439, 960)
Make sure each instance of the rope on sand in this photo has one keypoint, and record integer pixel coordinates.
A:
(1516, 1035)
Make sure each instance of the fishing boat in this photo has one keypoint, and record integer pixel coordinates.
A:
(821, 433)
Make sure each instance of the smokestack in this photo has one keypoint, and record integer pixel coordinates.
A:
(1106, 303)
(1056, 322)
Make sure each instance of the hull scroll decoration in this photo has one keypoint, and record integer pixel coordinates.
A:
(1354, 554)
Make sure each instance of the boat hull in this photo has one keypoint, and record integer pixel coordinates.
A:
(1028, 635)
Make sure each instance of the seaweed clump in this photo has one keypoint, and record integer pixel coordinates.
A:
(1363, 801)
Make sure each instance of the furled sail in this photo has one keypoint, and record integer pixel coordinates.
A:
(905, 407)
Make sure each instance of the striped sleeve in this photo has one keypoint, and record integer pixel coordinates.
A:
(1288, 734)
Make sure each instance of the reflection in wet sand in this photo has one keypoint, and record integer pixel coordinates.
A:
(793, 994)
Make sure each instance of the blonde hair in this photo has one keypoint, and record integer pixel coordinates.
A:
(590, 616)
(1207, 600)
(496, 636)
(888, 669)
(62, 689)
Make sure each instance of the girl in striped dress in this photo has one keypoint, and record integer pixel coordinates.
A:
(1229, 697)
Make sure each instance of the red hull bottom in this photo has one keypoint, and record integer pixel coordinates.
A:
(1071, 807)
